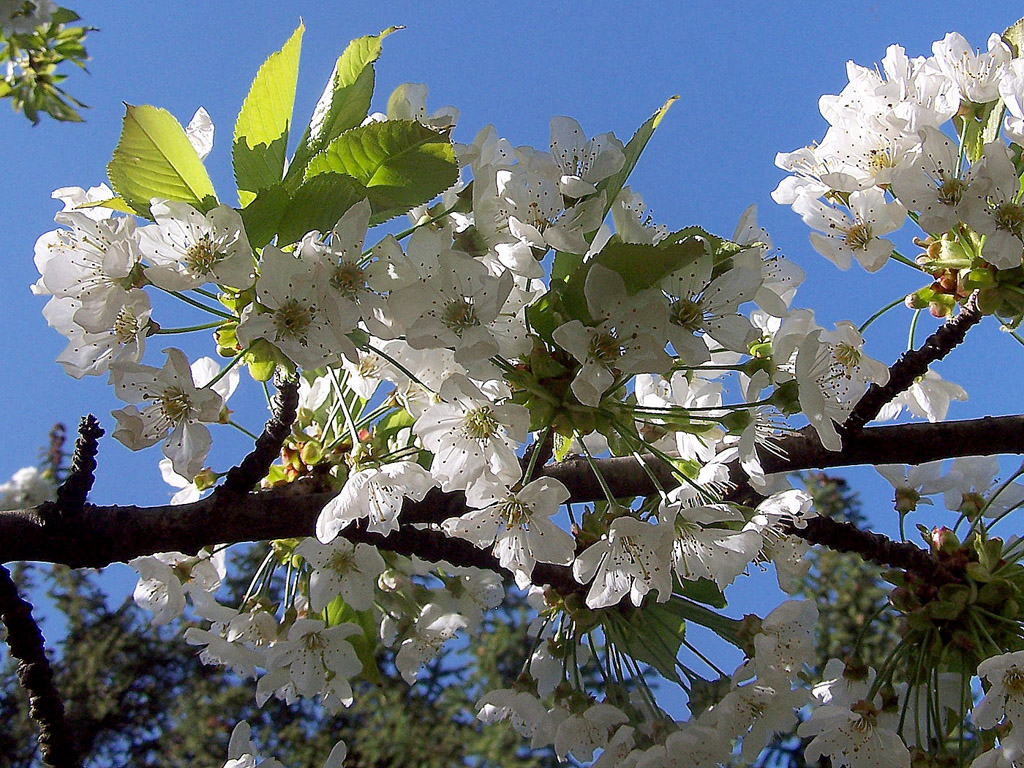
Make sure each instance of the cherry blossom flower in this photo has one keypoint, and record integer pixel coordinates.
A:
(858, 737)
(174, 411)
(932, 185)
(583, 162)
(294, 313)
(187, 249)
(631, 559)
(581, 734)
(473, 440)
(90, 353)
(315, 659)
(374, 493)
(976, 74)
(841, 238)
(92, 263)
(520, 528)
(434, 627)
(343, 569)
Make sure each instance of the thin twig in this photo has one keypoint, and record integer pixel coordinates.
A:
(254, 467)
(912, 364)
(74, 491)
(56, 743)
(846, 537)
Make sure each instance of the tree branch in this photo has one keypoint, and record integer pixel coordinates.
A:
(75, 489)
(102, 535)
(56, 743)
(914, 363)
(254, 466)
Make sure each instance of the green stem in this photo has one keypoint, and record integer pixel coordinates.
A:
(399, 366)
(234, 361)
(187, 329)
(596, 470)
(880, 312)
(909, 262)
(198, 304)
(913, 329)
(243, 430)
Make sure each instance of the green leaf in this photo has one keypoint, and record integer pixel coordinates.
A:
(614, 184)
(641, 266)
(652, 635)
(365, 643)
(318, 204)
(564, 265)
(155, 159)
(703, 591)
(1014, 37)
(344, 103)
(262, 216)
(261, 130)
(402, 163)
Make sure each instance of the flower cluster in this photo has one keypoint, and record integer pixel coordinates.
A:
(531, 310)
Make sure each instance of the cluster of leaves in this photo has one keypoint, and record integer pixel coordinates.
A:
(32, 81)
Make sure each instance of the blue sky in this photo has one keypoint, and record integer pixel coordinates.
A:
(749, 76)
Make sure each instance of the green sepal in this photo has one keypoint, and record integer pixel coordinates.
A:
(365, 643)
(402, 164)
(154, 158)
(344, 103)
(226, 340)
(261, 130)
(980, 126)
(634, 148)
(262, 358)
(563, 446)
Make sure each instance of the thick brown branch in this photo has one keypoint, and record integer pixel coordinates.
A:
(914, 363)
(103, 535)
(56, 744)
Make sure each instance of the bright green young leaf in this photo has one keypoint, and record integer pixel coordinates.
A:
(614, 184)
(261, 130)
(402, 163)
(344, 103)
(155, 159)
(318, 204)
(113, 203)
(1014, 37)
